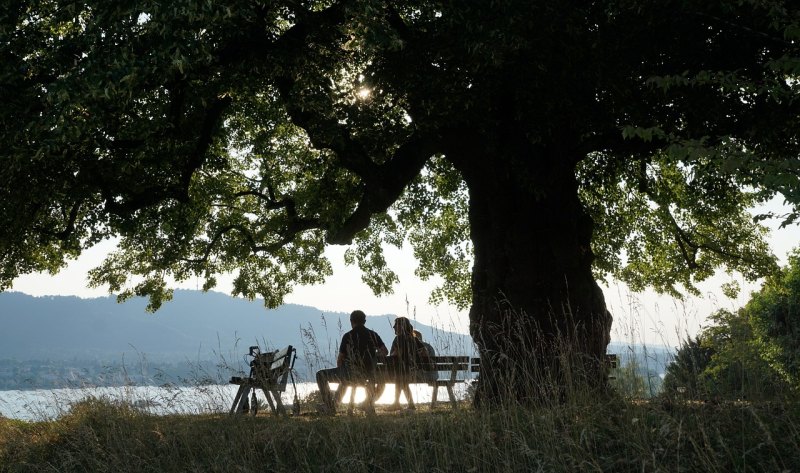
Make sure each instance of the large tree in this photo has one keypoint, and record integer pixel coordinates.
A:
(546, 143)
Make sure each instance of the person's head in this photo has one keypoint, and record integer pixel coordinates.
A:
(417, 334)
(358, 318)
(403, 326)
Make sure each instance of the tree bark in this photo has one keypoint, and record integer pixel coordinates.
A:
(538, 317)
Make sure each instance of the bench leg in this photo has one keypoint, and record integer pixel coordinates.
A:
(253, 403)
(241, 393)
(279, 409)
(379, 389)
(452, 396)
(435, 395)
(269, 399)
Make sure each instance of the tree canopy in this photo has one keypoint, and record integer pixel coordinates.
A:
(523, 148)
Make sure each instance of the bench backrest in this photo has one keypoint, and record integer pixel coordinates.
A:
(273, 368)
(446, 363)
(612, 361)
(436, 363)
(453, 365)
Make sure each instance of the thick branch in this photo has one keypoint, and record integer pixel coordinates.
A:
(69, 228)
(295, 227)
(683, 240)
(745, 29)
(385, 187)
(211, 123)
(382, 184)
(611, 140)
(686, 244)
(139, 198)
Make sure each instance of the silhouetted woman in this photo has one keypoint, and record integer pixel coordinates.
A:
(407, 354)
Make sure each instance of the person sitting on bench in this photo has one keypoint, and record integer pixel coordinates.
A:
(356, 360)
(407, 353)
(430, 376)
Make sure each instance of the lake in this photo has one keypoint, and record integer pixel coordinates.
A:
(47, 404)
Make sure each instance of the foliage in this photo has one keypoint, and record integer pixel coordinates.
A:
(701, 211)
(751, 353)
(629, 382)
(684, 375)
(774, 313)
(737, 368)
(243, 137)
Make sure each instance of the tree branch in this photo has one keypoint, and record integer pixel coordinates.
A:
(69, 228)
(211, 123)
(295, 227)
(385, 187)
(134, 198)
(382, 184)
(686, 243)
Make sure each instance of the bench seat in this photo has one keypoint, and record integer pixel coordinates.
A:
(450, 370)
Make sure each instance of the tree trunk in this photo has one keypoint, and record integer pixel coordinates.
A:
(538, 317)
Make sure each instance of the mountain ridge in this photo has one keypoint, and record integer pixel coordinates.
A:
(193, 322)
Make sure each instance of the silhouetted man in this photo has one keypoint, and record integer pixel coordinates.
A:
(356, 360)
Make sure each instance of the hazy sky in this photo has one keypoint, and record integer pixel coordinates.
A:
(638, 317)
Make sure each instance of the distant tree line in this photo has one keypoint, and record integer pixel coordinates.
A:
(51, 374)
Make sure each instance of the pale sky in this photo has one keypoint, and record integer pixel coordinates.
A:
(638, 317)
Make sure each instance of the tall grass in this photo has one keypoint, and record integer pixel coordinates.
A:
(615, 435)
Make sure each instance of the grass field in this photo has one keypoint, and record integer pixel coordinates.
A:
(612, 435)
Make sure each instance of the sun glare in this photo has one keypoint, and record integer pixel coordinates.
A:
(363, 93)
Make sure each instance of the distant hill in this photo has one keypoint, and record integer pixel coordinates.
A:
(193, 326)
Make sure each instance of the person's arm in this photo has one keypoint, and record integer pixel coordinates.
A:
(380, 347)
(382, 351)
(394, 347)
(340, 359)
(431, 350)
(420, 351)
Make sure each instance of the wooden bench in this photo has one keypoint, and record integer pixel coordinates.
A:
(450, 370)
(269, 372)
